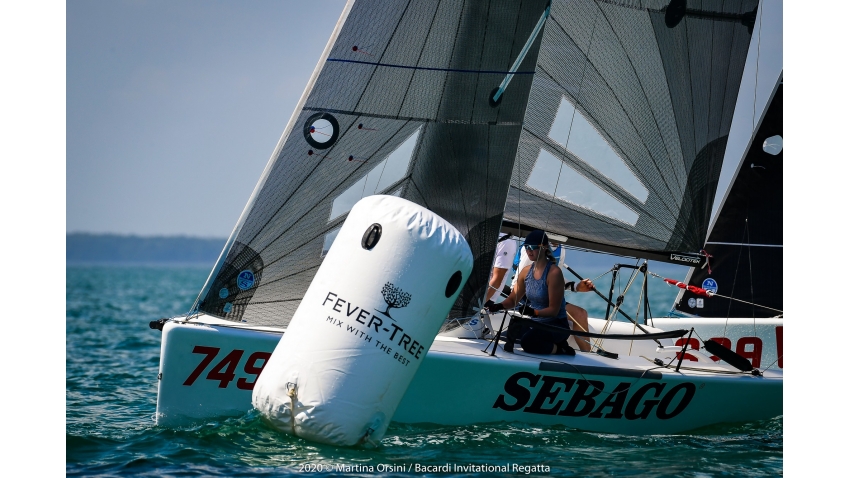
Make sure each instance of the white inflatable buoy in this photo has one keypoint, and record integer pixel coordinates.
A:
(365, 323)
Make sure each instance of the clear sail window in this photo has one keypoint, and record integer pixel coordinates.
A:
(568, 185)
(385, 173)
(773, 145)
(329, 240)
(572, 130)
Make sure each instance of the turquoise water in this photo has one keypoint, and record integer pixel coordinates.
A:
(112, 359)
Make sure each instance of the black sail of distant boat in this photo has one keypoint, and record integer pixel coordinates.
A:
(745, 243)
(601, 120)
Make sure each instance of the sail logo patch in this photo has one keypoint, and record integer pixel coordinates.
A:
(710, 285)
(245, 280)
(681, 258)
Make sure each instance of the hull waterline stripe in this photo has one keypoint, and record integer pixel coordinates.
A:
(590, 370)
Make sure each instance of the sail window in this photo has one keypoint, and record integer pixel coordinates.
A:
(383, 175)
(554, 177)
(773, 145)
(572, 130)
(321, 130)
(329, 240)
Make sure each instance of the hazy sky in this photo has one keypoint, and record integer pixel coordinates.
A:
(173, 108)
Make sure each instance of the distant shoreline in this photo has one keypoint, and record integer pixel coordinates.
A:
(102, 249)
(87, 248)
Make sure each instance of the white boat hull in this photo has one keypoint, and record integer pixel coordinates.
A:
(207, 372)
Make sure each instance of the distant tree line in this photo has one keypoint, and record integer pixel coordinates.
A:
(85, 247)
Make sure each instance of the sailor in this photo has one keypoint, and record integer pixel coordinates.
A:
(506, 248)
(543, 286)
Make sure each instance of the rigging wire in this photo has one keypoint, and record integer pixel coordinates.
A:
(637, 312)
(735, 276)
(727, 297)
(752, 293)
(609, 319)
(758, 56)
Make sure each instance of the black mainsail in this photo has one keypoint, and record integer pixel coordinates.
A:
(628, 118)
(601, 120)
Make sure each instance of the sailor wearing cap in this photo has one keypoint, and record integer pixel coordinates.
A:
(543, 287)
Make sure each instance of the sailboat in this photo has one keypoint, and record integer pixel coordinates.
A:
(603, 122)
(743, 273)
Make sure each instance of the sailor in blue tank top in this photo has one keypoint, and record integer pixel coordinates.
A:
(537, 292)
(543, 287)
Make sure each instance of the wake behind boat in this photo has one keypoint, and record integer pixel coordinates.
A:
(603, 123)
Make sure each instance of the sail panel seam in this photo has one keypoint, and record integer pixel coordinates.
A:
(427, 68)
(413, 118)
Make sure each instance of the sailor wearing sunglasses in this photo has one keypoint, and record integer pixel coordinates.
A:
(543, 287)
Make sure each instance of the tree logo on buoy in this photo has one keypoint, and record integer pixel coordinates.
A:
(394, 297)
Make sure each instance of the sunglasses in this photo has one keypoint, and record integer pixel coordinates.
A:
(532, 248)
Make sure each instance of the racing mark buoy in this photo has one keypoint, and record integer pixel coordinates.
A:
(365, 323)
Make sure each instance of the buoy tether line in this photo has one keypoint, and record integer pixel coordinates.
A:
(292, 392)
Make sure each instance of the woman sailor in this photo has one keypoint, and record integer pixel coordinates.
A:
(543, 286)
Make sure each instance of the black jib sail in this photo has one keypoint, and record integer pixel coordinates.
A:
(601, 120)
(745, 243)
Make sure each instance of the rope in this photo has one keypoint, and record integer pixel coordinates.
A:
(750, 303)
(580, 327)
(773, 363)
(608, 319)
(637, 313)
(714, 294)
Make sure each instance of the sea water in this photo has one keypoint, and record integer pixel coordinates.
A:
(112, 360)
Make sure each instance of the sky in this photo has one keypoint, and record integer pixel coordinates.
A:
(173, 108)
